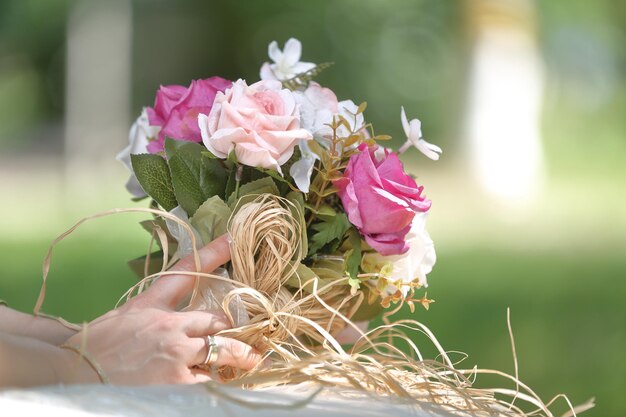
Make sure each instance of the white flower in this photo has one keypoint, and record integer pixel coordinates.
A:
(302, 169)
(318, 105)
(138, 139)
(286, 62)
(413, 132)
(412, 266)
(348, 110)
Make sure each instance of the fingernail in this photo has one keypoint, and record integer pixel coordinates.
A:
(229, 238)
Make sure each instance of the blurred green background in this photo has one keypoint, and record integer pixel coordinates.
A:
(527, 98)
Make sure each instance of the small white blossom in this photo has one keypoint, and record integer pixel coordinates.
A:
(302, 169)
(286, 62)
(138, 138)
(413, 132)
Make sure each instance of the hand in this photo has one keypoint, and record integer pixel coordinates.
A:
(146, 342)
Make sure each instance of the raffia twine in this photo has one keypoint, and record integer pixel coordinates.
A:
(297, 329)
(266, 248)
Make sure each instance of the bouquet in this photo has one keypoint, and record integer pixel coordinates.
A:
(327, 231)
(208, 151)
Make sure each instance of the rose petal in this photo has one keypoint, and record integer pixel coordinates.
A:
(253, 155)
(389, 247)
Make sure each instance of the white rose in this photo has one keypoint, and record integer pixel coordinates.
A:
(410, 267)
(138, 139)
(317, 107)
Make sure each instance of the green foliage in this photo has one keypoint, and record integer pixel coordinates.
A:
(159, 223)
(366, 310)
(253, 188)
(330, 232)
(195, 178)
(172, 145)
(353, 256)
(303, 274)
(138, 265)
(211, 219)
(301, 81)
(154, 176)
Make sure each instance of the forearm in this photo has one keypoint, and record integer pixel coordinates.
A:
(42, 328)
(26, 362)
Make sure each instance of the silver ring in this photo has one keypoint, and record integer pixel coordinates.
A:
(212, 348)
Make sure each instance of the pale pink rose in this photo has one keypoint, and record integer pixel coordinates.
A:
(260, 122)
(380, 199)
(176, 110)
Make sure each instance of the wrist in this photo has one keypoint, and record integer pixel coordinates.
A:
(74, 367)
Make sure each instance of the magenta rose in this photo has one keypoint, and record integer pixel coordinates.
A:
(380, 199)
(176, 110)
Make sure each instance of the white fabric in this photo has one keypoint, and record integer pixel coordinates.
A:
(198, 400)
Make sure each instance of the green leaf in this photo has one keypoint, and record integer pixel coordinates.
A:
(355, 283)
(324, 212)
(231, 183)
(154, 176)
(195, 178)
(328, 231)
(366, 310)
(137, 265)
(211, 219)
(304, 273)
(172, 145)
(298, 213)
(382, 137)
(274, 174)
(353, 260)
(301, 80)
(209, 155)
(150, 226)
(253, 188)
(232, 157)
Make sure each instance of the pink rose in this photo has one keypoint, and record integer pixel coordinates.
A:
(380, 199)
(261, 122)
(176, 110)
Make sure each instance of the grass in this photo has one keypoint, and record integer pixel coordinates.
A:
(567, 318)
(567, 314)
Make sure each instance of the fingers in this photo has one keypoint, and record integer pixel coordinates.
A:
(188, 376)
(195, 376)
(170, 290)
(200, 323)
(230, 352)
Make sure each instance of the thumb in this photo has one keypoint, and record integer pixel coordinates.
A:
(170, 290)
